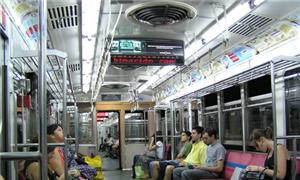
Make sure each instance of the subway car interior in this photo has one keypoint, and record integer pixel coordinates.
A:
(87, 85)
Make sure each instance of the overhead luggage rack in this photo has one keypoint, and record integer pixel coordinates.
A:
(281, 63)
(54, 72)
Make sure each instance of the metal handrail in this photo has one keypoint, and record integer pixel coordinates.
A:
(20, 155)
(36, 145)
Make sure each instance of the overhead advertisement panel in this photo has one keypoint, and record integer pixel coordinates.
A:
(147, 52)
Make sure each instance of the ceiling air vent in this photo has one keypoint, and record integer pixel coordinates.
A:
(249, 24)
(74, 67)
(63, 17)
(160, 13)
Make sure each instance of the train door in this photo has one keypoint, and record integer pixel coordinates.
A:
(108, 128)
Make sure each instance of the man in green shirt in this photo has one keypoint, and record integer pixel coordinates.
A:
(197, 155)
(164, 169)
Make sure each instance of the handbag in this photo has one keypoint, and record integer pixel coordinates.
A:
(251, 175)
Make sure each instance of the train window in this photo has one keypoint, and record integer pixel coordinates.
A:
(293, 123)
(85, 129)
(232, 126)
(260, 117)
(211, 120)
(161, 122)
(135, 127)
(210, 100)
(194, 118)
(232, 94)
(292, 94)
(259, 86)
(210, 116)
(185, 118)
(169, 122)
(177, 122)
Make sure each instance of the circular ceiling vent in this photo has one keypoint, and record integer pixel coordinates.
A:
(160, 13)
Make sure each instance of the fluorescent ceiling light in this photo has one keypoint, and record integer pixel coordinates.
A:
(88, 48)
(90, 14)
(87, 67)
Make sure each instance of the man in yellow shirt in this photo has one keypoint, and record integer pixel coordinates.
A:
(197, 155)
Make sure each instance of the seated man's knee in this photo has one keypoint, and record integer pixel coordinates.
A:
(184, 174)
(169, 168)
(177, 171)
(155, 164)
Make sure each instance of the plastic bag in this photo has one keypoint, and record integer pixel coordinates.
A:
(139, 173)
(96, 163)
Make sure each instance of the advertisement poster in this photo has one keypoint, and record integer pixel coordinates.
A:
(278, 33)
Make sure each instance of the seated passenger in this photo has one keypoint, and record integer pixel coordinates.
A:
(109, 140)
(55, 132)
(159, 167)
(262, 138)
(153, 151)
(115, 147)
(197, 155)
(214, 163)
(31, 166)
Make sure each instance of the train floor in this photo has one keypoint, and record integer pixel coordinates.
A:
(111, 168)
(117, 175)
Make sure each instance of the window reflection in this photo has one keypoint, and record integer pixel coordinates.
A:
(135, 127)
(292, 94)
(260, 117)
(233, 125)
(211, 120)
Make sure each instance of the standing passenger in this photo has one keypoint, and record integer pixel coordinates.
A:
(262, 138)
(197, 155)
(214, 162)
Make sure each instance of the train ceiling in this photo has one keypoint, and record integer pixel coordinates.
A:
(179, 19)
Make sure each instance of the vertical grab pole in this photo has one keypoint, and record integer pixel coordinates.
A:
(172, 130)
(294, 159)
(76, 128)
(190, 115)
(42, 87)
(274, 119)
(243, 98)
(219, 101)
(65, 116)
(166, 125)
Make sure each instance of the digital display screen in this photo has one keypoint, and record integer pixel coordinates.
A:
(155, 52)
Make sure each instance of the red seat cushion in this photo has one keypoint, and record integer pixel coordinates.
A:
(241, 159)
(167, 151)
